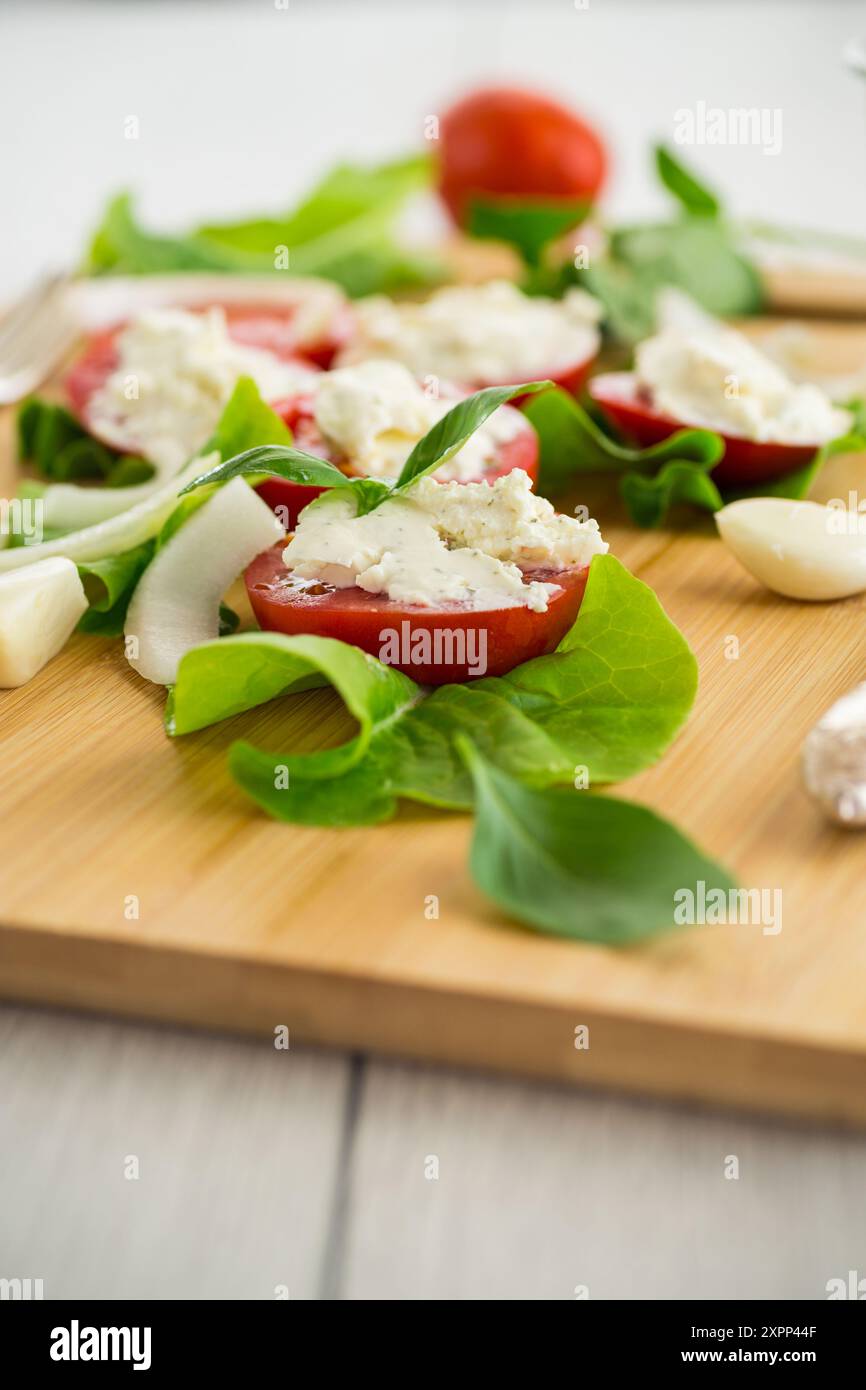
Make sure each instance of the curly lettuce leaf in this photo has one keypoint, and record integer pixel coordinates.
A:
(571, 443)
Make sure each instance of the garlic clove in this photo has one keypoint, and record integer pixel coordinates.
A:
(800, 549)
(40, 605)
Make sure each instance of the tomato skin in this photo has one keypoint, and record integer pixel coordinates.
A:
(512, 635)
(504, 142)
(744, 461)
(259, 326)
(289, 499)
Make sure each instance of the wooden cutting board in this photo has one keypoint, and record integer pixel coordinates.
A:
(246, 924)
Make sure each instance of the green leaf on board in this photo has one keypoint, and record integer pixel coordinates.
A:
(578, 865)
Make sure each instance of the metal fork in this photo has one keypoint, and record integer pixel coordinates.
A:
(35, 334)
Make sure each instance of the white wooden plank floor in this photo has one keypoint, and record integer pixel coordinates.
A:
(314, 1171)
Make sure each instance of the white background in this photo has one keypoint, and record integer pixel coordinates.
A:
(241, 104)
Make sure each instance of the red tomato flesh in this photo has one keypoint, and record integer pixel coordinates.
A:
(289, 499)
(504, 142)
(435, 646)
(744, 460)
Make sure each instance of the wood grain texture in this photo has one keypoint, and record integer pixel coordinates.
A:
(244, 923)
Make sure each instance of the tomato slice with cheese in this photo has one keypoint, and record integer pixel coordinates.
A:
(266, 329)
(745, 461)
(289, 499)
(434, 646)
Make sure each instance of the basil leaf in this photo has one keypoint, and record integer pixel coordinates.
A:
(628, 301)
(610, 700)
(276, 461)
(587, 867)
(219, 679)
(694, 196)
(570, 443)
(529, 226)
(697, 255)
(451, 432)
(648, 500)
(109, 585)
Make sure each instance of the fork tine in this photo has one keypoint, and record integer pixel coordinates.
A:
(48, 321)
(28, 304)
(33, 357)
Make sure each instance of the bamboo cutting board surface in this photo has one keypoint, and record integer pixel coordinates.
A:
(247, 924)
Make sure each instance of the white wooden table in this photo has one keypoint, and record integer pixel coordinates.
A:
(263, 1173)
(263, 1170)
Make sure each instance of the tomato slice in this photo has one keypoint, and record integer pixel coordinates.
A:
(269, 330)
(744, 460)
(432, 645)
(289, 499)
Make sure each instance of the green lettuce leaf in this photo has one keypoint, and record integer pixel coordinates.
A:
(610, 700)
(219, 679)
(577, 865)
(109, 586)
(59, 447)
(571, 443)
(648, 500)
(342, 230)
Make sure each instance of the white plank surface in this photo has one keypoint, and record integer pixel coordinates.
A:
(542, 1190)
(260, 1169)
(238, 1148)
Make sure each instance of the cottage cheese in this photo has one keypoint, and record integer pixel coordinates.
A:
(712, 376)
(478, 334)
(376, 412)
(175, 373)
(443, 543)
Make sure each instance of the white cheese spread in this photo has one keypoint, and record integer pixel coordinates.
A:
(444, 543)
(715, 378)
(175, 373)
(375, 413)
(478, 334)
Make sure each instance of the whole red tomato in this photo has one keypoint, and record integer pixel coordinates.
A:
(503, 142)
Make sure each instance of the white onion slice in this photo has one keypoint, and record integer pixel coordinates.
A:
(39, 607)
(68, 507)
(118, 533)
(176, 603)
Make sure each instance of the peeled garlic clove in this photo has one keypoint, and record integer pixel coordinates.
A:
(39, 607)
(799, 549)
(834, 759)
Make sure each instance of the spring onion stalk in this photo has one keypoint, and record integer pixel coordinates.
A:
(176, 603)
(116, 534)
